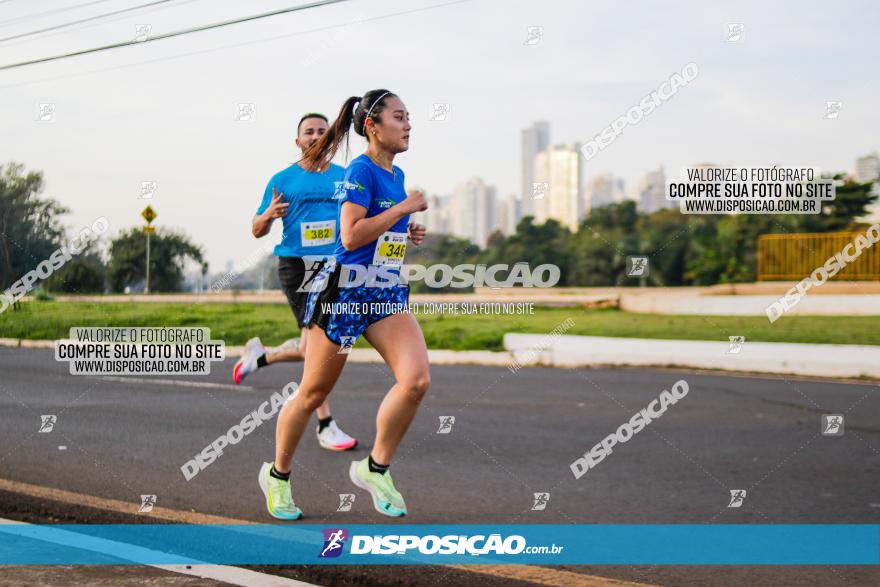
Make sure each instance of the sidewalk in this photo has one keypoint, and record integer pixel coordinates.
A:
(821, 360)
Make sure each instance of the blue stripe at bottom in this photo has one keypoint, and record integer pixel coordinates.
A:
(621, 544)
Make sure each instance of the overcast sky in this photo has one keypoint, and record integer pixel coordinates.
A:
(165, 111)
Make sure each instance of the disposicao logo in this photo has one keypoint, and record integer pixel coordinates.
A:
(334, 540)
(431, 544)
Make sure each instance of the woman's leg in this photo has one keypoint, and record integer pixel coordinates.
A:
(400, 341)
(322, 368)
(323, 410)
(295, 355)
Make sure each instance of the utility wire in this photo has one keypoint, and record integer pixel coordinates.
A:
(106, 21)
(230, 46)
(173, 34)
(82, 20)
(48, 12)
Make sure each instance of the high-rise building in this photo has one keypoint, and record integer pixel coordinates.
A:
(508, 214)
(436, 217)
(872, 214)
(585, 199)
(559, 170)
(604, 189)
(867, 168)
(534, 140)
(652, 192)
(514, 213)
(472, 211)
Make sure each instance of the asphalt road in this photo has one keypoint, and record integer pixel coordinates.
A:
(514, 434)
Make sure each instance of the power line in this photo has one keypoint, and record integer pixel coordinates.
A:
(231, 46)
(109, 19)
(48, 12)
(88, 19)
(174, 34)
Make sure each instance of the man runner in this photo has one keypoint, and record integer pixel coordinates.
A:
(305, 202)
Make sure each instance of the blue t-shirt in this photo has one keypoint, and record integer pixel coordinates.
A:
(311, 225)
(376, 189)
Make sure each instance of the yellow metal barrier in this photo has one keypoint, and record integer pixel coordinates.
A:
(783, 257)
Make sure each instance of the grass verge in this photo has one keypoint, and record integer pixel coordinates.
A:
(274, 323)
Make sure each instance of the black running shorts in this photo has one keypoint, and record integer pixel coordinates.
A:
(295, 280)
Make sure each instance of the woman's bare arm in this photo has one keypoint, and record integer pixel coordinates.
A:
(356, 229)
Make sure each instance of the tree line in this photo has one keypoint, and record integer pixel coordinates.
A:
(31, 229)
(682, 249)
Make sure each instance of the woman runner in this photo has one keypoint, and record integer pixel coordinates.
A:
(374, 213)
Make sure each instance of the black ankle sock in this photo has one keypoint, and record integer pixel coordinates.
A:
(283, 476)
(376, 467)
(261, 361)
(324, 422)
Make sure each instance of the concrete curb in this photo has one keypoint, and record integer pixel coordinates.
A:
(821, 360)
(810, 360)
(752, 305)
(24, 343)
(437, 357)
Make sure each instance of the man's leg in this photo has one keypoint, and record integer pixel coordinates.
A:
(330, 436)
(291, 351)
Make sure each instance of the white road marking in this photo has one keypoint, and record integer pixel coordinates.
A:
(180, 383)
(234, 575)
(225, 573)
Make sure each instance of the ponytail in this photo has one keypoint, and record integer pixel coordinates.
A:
(320, 154)
(355, 111)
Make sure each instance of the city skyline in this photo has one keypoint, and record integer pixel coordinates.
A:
(169, 113)
(568, 204)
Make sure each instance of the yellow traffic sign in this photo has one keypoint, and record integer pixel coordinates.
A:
(149, 229)
(149, 214)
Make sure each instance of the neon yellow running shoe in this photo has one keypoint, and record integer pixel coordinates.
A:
(386, 499)
(277, 491)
